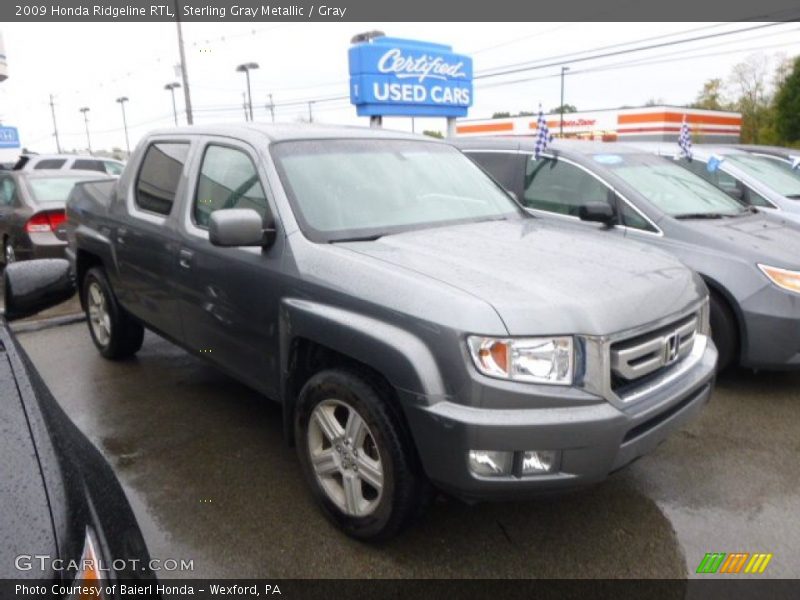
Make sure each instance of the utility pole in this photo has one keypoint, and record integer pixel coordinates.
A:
(55, 127)
(271, 107)
(561, 108)
(122, 100)
(85, 110)
(184, 71)
(171, 87)
(310, 114)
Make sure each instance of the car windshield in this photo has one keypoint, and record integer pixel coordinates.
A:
(365, 188)
(775, 173)
(52, 189)
(673, 189)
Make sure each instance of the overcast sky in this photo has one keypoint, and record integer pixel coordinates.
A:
(91, 64)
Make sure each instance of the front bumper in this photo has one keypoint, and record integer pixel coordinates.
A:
(593, 439)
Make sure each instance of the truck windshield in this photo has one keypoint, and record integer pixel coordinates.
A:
(52, 189)
(775, 173)
(343, 190)
(673, 189)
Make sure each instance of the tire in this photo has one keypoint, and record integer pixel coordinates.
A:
(380, 451)
(724, 332)
(114, 332)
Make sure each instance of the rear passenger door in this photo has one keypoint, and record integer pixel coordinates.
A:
(230, 296)
(146, 239)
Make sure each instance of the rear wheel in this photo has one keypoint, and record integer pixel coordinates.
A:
(115, 334)
(9, 256)
(357, 456)
(723, 331)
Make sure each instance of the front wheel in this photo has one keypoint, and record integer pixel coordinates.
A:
(357, 456)
(115, 334)
(723, 332)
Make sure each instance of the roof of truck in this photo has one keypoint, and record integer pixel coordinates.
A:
(289, 131)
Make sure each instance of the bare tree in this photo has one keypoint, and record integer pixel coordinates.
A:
(749, 81)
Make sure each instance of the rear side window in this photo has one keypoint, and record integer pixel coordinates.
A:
(88, 165)
(228, 179)
(506, 167)
(8, 191)
(50, 163)
(113, 168)
(160, 175)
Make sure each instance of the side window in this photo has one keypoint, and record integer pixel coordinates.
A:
(50, 163)
(632, 219)
(160, 175)
(8, 191)
(88, 165)
(228, 179)
(113, 168)
(560, 187)
(753, 198)
(505, 167)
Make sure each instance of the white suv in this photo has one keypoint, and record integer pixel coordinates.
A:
(28, 162)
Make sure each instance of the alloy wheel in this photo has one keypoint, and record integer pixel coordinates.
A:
(99, 317)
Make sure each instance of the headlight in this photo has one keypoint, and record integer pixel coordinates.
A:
(788, 280)
(536, 360)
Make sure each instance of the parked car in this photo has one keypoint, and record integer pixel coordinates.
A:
(414, 322)
(750, 261)
(32, 212)
(65, 518)
(789, 156)
(32, 162)
(760, 181)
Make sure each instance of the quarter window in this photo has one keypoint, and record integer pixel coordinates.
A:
(8, 191)
(228, 179)
(559, 187)
(160, 175)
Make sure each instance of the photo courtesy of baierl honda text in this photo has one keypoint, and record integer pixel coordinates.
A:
(385, 299)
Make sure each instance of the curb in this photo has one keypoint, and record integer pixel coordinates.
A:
(28, 326)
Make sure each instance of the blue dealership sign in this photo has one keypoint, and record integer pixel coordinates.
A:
(9, 137)
(396, 77)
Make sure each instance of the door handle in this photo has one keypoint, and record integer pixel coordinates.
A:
(121, 233)
(185, 258)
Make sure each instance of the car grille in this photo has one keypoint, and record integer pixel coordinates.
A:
(638, 359)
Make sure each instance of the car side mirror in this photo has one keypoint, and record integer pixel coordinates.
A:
(232, 227)
(597, 212)
(34, 285)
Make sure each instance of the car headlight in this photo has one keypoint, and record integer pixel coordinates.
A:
(536, 360)
(787, 280)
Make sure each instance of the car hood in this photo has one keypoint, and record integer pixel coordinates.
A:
(543, 278)
(758, 238)
(25, 522)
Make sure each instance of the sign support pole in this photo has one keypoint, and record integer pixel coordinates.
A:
(376, 121)
(451, 127)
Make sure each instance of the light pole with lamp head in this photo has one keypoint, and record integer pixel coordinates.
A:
(122, 100)
(171, 87)
(84, 110)
(246, 68)
(561, 108)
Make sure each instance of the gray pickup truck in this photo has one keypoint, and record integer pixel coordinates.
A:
(416, 324)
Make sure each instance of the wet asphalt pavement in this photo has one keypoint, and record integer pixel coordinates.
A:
(207, 472)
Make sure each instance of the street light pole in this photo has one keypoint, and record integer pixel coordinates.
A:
(310, 114)
(561, 108)
(271, 108)
(246, 68)
(85, 110)
(171, 87)
(122, 100)
(55, 127)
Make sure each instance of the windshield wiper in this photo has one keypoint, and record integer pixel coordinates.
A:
(361, 238)
(709, 215)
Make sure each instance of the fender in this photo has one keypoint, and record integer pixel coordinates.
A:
(403, 358)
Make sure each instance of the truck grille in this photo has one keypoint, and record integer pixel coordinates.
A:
(636, 359)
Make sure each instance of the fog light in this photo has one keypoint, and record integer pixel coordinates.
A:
(491, 463)
(539, 461)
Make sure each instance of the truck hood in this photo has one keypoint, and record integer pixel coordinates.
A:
(543, 278)
(759, 238)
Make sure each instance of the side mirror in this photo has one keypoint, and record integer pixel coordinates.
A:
(597, 212)
(34, 285)
(239, 227)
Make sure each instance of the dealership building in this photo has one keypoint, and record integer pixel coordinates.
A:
(647, 123)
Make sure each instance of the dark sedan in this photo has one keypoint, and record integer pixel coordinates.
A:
(64, 518)
(750, 261)
(32, 212)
